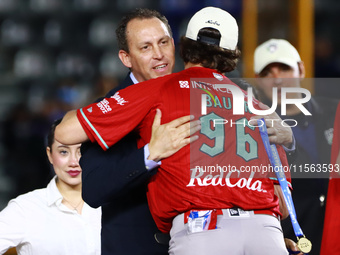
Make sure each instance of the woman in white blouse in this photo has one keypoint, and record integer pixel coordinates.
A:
(53, 220)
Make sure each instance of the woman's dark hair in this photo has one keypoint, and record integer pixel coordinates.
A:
(139, 13)
(209, 55)
(50, 135)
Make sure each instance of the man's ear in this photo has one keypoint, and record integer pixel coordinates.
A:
(302, 70)
(48, 152)
(125, 58)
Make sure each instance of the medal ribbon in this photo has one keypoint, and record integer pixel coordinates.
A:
(277, 165)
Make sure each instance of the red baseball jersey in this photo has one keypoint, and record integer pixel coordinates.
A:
(226, 167)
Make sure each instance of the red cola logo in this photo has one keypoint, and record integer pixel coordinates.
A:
(231, 179)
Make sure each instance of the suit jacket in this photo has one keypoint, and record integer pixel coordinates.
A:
(116, 180)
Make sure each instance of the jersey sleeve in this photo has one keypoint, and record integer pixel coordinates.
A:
(112, 118)
(12, 226)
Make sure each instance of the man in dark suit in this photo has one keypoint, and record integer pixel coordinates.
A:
(116, 179)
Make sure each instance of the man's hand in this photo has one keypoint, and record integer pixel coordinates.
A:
(277, 133)
(169, 138)
(292, 247)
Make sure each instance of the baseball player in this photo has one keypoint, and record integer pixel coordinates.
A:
(206, 194)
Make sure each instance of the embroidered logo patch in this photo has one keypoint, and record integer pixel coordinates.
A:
(218, 76)
(104, 106)
(272, 47)
(234, 212)
(119, 99)
(184, 84)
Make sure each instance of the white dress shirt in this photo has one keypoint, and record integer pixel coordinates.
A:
(37, 223)
(149, 164)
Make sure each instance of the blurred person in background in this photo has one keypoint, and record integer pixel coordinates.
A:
(55, 219)
(278, 64)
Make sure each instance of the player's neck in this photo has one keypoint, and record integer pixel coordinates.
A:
(189, 64)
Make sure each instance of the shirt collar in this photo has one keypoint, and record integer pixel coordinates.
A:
(133, 78)
(53, 194)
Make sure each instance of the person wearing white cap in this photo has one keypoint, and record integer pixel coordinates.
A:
(222, 212)
(278, 64)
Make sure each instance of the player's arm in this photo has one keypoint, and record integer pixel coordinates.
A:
(292, 247)
(70, 131)
(278, 133)
(290, 244)
(282, 203)
(123, 166)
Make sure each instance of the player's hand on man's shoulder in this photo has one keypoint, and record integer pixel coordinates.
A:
(169, 138)
(278, 133)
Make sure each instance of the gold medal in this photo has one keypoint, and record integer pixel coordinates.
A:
(304, 244)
